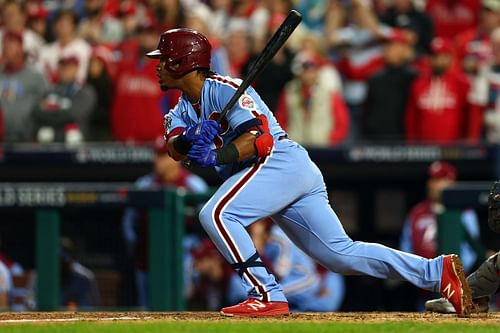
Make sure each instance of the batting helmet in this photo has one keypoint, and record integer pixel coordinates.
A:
(184, 50)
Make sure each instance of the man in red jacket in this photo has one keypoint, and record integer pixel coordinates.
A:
(136, 113)
(438, 110)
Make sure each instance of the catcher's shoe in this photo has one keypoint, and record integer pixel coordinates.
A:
(255, 308)
(454, 287)
(441, 305)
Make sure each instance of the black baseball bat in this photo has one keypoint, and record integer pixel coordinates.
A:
(273, 45)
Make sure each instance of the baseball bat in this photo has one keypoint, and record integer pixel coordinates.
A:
(273, 45)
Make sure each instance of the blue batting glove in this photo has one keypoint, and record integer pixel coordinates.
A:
(206, 131)
(202, 154)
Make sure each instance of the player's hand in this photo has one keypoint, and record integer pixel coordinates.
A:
(202, 154)
(205, 131)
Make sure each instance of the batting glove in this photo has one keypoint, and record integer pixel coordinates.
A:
(206, 131)
(202, 154)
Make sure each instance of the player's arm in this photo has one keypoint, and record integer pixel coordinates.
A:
(254, 140)
(245, 145)
(174, 152)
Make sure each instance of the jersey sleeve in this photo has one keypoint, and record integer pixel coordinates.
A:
(173, 122)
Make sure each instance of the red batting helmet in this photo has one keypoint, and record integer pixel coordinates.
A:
(184, 49)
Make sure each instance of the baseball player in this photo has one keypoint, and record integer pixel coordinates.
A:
(268, 174)
(485, 281)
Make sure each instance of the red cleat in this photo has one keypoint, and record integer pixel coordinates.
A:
(255, 308)
(454, 286)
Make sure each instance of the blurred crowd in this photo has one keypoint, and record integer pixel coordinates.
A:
(416, 71)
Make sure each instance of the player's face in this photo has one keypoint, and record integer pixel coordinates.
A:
(165, 79)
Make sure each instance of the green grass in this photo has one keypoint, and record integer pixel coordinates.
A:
(248, 327)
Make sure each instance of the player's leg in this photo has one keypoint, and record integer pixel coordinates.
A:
(224, 219)
(313, 225)
(316, 229)
(252, 194)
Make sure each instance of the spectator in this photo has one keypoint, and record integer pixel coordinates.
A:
(451, 17)
(99, 78)
(419, 234)
(5, 286)
(313, 13)
(167, 172)
(305, 287)
(485, 93)
(474, 45)
(277, 73)
(21, 88)
(311, 108)
(169, 14)
(37, 20)
(129, 18)
(137, 106)
(66, 44)
(14, 19)
(404, 15)
(236, 42)
(438, 108)
(98, 27)
(1, 126)
(352, 34)
(78, 283)
(199, 18)
(215, 284)
(388, 92)
(63, 115)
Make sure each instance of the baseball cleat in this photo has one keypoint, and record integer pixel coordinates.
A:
(454, 287)
(255, 308)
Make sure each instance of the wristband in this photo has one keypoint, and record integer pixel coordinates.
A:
(181, 145)
(227, 154)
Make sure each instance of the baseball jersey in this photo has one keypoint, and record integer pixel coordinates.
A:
(216, 92)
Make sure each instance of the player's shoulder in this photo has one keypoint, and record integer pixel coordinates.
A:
(223, 82)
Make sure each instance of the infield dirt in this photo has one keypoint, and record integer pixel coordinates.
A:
(24, 317)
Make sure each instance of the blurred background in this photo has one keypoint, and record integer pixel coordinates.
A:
(396, 101)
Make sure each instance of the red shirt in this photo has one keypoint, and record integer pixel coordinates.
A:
(451, 17)
(136, 111)
(437, 109)
(474, 43)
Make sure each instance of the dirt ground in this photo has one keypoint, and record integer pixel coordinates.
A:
(23, 317)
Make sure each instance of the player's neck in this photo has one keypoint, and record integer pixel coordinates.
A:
(193, 84)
